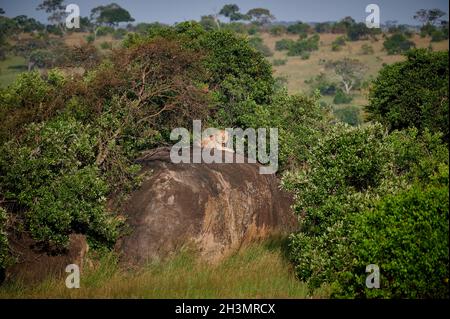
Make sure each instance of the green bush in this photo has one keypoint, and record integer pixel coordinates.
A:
(104, 30)
(90, 38)
(302, 45)
(299, 28)
(413, 93)
(258, 44)
(437, 36)
(351, 172)
(299, 120)
(323, 84)
(4, 248)
(277, 30)
(283, 44)
(48, 175)
(338, 43)
(367, 49)
(341, 97)
(278, 62)
(106, 45)
(397, 43)
(407, 236)
(349, 114)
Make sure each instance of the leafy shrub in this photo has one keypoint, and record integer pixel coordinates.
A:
(367, 49)
(74, 143)
(258, 44)
(47, 175)
(4, 251)
(299, 28)
(299, 120)
(284, 44)
(106, 45)
(341, 97)
(350, 173)
(349, 114)
(338, 43)
(406, 235)
(90, 38)
(302, 45)
(278, 62)
(104, 30)
(437, 36)
(397, 43)
(305, 55)
(413, 93)
(323, 84)
(277, 30)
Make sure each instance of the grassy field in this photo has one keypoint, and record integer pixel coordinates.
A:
(260, 270)
(9, 69)
(296, 71)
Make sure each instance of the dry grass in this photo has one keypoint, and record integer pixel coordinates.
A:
(257, 271)
(297, 70)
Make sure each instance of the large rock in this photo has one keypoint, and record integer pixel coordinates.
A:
(215, 206)
(34, 263)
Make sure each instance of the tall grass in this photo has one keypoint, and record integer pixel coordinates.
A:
(259, 270)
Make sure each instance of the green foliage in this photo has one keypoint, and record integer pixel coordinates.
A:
(90, 38)
(258, 44)
(359, 31)
(299, 28)
(323, 84)
(338, 43)
(284, 44)
(299, 120)
(4, 249)
(397, 43)
(350, 172)
(278, 62)
(237, 72)
(349, 114)
(277, 30)
(49, 174)
(106, 45)
(413, 93)
(68, 146)
(304, 45)
(367, 49)
(406, 235)
(341, 97)
(104, 30)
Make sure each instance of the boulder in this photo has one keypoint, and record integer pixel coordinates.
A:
(215, 206)
(34, 263)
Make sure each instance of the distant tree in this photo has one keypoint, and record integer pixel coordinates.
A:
(231, 11)
(349, 71)
(209, 22)
(322, 27)
(260, 15)
(111, 14)
(2, 11)
(299, 28)
(7, 27)
(429, 16)
(55, 9)
(25, 24)
(397, 43)
(413, 93)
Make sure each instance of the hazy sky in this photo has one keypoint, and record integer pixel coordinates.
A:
(170, 11)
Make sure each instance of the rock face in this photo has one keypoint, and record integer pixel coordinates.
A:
(33, 264)
(215, 206)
